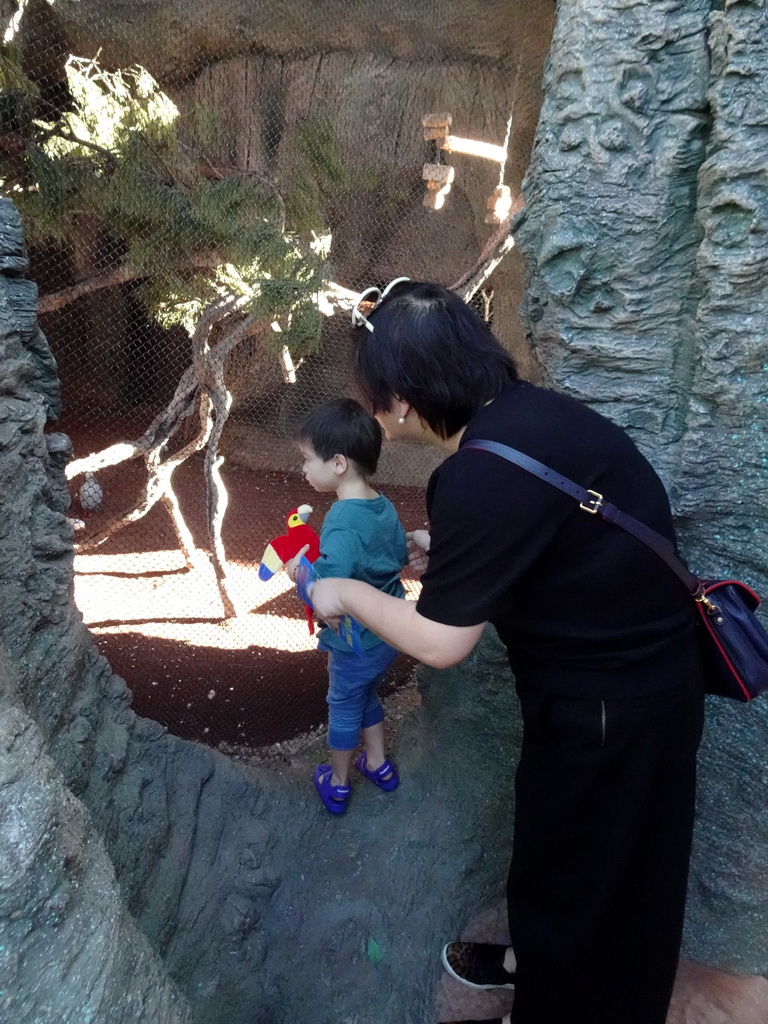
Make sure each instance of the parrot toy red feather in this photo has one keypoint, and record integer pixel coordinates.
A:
(282, 549)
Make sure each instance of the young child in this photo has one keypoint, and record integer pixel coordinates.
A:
(361, 538)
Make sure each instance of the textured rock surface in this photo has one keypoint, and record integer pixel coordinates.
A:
(69, 950)
(646, 243)
(611, 235)
(724, 451)
(176, 37)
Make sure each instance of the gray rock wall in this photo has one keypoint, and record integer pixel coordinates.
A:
(724, 448)
(611, 236)
(177, 38)
(69, 951)
(724, 463)
(645, 240)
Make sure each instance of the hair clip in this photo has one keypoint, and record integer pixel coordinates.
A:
(359, 319)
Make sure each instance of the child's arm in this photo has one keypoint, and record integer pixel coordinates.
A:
(290, 566)
(339, 554)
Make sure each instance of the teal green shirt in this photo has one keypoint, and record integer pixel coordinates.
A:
(362, 539)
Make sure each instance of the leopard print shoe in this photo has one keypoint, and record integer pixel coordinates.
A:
(477, 964)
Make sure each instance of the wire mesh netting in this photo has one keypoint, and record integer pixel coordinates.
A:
(200, 213)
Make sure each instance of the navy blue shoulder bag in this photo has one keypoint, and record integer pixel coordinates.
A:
(734, 644)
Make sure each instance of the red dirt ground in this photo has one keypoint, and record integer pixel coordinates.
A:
(247, 681)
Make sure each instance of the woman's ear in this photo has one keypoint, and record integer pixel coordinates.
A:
(401, 408)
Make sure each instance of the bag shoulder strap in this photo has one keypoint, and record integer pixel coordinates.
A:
(595, 504)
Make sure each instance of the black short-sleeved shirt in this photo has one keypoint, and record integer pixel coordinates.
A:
(582, 607)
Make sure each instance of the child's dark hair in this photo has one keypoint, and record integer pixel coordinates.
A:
(343, 427)
(430, 349)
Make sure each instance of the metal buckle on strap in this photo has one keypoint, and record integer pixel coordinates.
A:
(708, 604)
(594, 505)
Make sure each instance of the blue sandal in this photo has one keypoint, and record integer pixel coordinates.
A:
(334, 797)
(379, 777)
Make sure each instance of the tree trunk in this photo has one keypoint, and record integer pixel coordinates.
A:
(647, 298)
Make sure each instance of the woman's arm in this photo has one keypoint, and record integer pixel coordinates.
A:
(396, 621)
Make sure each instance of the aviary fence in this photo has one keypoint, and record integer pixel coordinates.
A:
(198, 230)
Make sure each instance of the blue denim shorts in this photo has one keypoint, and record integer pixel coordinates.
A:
(353, 699)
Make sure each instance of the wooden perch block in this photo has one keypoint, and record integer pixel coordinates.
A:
(499, 205)
(437, 175)
(436, 127)
(434, 200)
(437, 120)
(438, 178)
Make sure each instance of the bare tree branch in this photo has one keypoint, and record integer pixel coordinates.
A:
(215, 335)
(209, 357)
(169, 499)
(217, 500)
(493, 252)
(112, 278)
(160, 430)
(66, 133)
(219, 330)
(164, 425)
(159, 487)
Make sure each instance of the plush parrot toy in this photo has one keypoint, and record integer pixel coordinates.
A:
(283, 548)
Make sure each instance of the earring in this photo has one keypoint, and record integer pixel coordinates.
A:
(401, 420)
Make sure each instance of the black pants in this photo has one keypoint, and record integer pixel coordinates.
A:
(603, 825)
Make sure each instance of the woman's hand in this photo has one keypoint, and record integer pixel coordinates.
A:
(326, 597)
(418, 546)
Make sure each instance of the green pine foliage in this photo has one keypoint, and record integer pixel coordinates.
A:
(320, 172)
(114, 152)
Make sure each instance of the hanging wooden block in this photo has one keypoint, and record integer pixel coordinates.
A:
(440, 174)
(433, 120)
(438, 178)
(438, 135)
(434, 199)
(436, 127)
(499, 205)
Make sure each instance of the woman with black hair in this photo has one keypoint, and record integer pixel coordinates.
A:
(600, 637)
